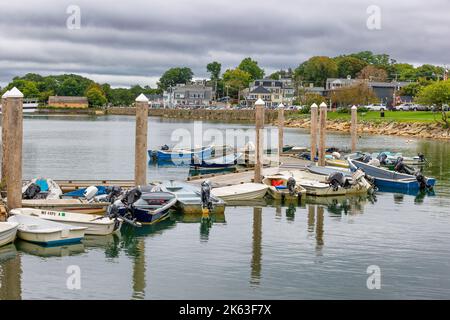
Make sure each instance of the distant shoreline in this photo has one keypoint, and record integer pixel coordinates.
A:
(415, 129)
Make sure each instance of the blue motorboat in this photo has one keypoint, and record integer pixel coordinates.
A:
(180, 154)
(391, 180)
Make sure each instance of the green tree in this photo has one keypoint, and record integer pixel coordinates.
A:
(317, 70)
(349, 66)
(436, 94)
(236, 79)
(214, 69)
(429, 71)
(96, 96)
(251, 67)
(404, 72)
(28, 88)
(175, 76)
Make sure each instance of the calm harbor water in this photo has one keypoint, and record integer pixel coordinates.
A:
(319, 250)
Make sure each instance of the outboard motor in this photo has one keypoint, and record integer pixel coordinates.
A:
(31, 192)
(421, 157)
(131, 196)
(113, 192)
(366, 158)
(400, 166)
(90, 192)
(165, 147)
(206, 195)
(336, 180)
(291, 183)
(423, 184)
(383, 157)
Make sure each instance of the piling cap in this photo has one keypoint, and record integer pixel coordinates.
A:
(314, 105)
(5, 95)
(281, 105)
(323, 105)
(13, 93)
(354, 108)
(142, 98)
(259, 102)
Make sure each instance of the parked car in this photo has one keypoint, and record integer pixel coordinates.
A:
(405, 107)
(445, 107)
(420, 107)
(377, 107)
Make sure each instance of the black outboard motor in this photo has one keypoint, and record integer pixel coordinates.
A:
(131, 196)
(423, 183)
(336, 180)
(382, 157)
(291, 185)
(206, 195)
(112, 193)
(31, 192)
(421, 157)
(367, 158)
(165, 147)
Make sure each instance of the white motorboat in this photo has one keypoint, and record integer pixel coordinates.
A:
(279, 187)
(96, 225)
(244, 191)
(8, 231)
(44, 232)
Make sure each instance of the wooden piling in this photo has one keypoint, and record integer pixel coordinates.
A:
(280, 128)
(14, 138)
(140, 170)
(259, 115)
(354, 128)
(314, 111)
(4, 140)
(322, 133)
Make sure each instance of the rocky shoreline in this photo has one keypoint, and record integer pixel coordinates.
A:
(404, 129)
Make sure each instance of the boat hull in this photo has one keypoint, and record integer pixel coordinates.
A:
(173, 155)
(386, 179)
(8, 232)
(51, 239)
(241, 192)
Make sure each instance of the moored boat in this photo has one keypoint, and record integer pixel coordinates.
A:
(46, 232)
(180, 154)
(392, 180)
(41, 188)
(283, 187)
(244, 191)
(189, 197)
(8, 231)
(96, 225)
(219, 163)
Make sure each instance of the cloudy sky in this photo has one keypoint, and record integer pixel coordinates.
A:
(129, 42)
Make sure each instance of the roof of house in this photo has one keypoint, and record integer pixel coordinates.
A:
(260, 90)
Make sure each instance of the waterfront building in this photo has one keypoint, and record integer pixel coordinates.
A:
(188, 95)
(272, 92)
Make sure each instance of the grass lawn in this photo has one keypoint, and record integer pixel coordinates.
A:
(397, 116)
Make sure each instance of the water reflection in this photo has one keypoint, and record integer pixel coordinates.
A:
(10, 273)
(256, 246)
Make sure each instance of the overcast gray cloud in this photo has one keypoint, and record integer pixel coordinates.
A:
(130, 42)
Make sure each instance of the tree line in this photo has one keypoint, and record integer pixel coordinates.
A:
(315, 71)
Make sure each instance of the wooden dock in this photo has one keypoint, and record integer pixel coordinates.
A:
(246, 176)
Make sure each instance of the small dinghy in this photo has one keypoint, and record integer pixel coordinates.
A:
(8, 231)
(96, 225)
(47, 233)
(244, 191)
(283, 187)
(41, 188)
